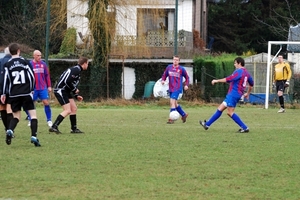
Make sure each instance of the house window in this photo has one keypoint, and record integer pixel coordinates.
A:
(154, 20)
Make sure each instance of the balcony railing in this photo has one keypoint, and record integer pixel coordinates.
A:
(155, 39)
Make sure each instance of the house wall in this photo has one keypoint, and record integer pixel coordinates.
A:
(76, 10)
(127, 16)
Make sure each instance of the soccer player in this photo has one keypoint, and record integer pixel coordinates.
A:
(5, 109)
(65, 91)
(19, 85)
(282, 76)
(42, 84)
(238, 80)
(175, 72)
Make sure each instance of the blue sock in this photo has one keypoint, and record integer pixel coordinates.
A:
(172, 109)
(238, 120)
(213, 118)
(47, 110)
(27, 113)
(179, 109)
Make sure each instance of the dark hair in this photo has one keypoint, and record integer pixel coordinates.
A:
(176, 56)
(82, 60)
(240, 60)
(13, 48)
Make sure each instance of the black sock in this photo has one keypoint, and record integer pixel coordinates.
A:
(58, 120)
(33, 126)
(13, 123)
(73, 122)
(281, 101)
(9, 118)
(4, 118)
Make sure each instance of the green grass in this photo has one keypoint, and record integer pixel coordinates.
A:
(131, 153)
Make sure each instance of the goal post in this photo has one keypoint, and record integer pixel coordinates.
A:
(269, 63)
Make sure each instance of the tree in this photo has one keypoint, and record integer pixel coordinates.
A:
(238, 27)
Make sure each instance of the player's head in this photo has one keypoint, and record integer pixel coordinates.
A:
(280, 58)
(239, 61)
(176, 60)
(83, 62)
(14, 49)
(37, 55)
(6, 51)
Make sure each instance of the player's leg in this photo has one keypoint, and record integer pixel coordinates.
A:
(30, 107)
(63, 99)
(215, 116)
(230, 112)
(280, 92)
(15, 107)
(73, 117)
(3, 115)
(44, 96)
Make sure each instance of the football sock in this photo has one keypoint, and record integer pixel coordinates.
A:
(281, 101)
(27, 113)
(213, 118)
(172, 109)
(179, 109)
(33, 126)
(13, 123)
(4, 118)
(73, 122)
(48, 113)
(238, 120)
(9, 118)
(58, 120)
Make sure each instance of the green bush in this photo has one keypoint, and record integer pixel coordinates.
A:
(69, 42)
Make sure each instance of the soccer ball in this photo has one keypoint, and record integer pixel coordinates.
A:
(174, 115)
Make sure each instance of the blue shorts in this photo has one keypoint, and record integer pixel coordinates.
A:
(40, 94)
(231, 101)
(175, 95)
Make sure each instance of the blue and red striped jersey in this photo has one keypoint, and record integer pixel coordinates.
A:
(238, 81)
(41, 74)
(175, 75)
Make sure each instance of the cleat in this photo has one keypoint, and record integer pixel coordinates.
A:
(54, 130)
(203, 124)
(35, 141)
(170, 121)
(49, 124)
(243, 130)
(9, 135)
(281, 110)
(184, 118)
(29, 123)
(76, 131)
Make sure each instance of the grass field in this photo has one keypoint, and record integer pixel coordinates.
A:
(131, 153)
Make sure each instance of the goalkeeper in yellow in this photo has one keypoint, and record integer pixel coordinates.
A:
(282, 76)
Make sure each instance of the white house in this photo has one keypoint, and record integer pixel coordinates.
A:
(128, 22)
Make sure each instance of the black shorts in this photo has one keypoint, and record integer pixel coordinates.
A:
(280, 85)
(63, 96)
(24, 101)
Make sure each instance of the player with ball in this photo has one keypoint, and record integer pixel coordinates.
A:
(175, 72)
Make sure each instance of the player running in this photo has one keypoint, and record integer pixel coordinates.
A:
(238, 80)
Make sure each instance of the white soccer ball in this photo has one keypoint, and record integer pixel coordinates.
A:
(174, 115)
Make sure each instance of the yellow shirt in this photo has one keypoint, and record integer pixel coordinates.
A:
(282, 72)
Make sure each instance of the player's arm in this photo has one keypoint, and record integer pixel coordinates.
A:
(289, 72)
(187, 79)
(223, 80)
(165, 75)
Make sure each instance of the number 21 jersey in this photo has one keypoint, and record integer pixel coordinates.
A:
(18, 77)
